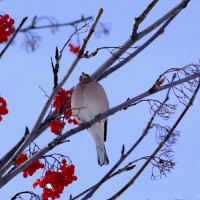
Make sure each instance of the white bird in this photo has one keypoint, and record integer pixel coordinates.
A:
(89, 100)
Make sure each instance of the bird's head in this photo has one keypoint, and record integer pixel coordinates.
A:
(84, 78)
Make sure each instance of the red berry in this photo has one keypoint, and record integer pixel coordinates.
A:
(74, 49)
(6, 29)
(64, 161)
(6, 16)
(56, 126)
(25, 175)
(11, 21)
(3, 104)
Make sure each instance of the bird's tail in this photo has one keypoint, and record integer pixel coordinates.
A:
(102, 155)
(97, 132)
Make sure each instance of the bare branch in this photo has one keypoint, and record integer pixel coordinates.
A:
(183, 90)
(82, 48)
(162, 109)
(137, 51)
(162, 131)
(94, 53)
(163, 163)
(32, 39)
(126, 168)
(176, 10)
(53, 23)
(141, 18)
(158, 148)
(83, 126)
(55, 68)
(75, 32)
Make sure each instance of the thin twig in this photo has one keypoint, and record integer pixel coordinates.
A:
(56, 25)
(75, 32)
(55, 68)
(141, 18)
(82, 48)
(13, 37)
(58, 56)
(45, 93)
(177, 9)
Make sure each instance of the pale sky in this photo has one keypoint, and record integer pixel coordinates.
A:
(22, 73)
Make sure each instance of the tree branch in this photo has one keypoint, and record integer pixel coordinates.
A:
(86, 125)
(136, 52)
(141, 18)
(159, 147)
(177, 9)
(35, 129)
(128, 167)
(56, 25)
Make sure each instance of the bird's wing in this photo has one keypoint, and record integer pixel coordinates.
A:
(78, 105)
(97, 102)
(95, 99)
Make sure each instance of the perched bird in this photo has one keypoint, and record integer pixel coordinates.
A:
(89, 100)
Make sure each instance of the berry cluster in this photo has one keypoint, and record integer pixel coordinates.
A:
(62, 103)
(31, 169)
(3, 108)
(74, 49)
(53, 182)
(56, 126)
(62, 106)
(6, 27)
(22, 158)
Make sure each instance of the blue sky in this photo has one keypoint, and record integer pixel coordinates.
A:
(22, 72)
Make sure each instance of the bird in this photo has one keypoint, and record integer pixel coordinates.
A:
(87, 102)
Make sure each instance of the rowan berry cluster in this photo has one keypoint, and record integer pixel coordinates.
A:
(31, 169)
(56, 126)
(62, 106)
(53, 182)
(6, 27)
(3, 108)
